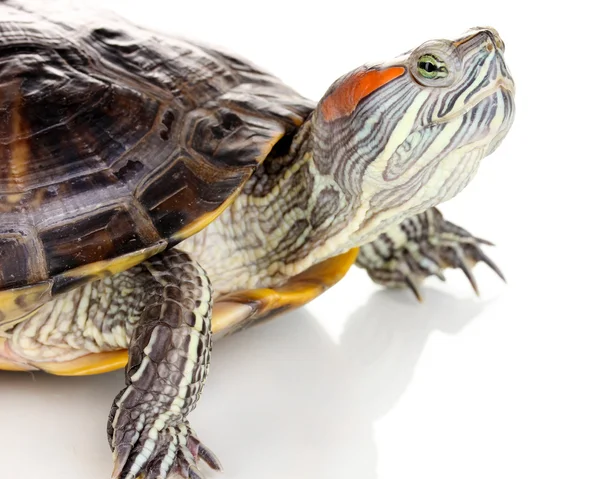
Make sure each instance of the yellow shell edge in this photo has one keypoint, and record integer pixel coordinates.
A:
(230, 313)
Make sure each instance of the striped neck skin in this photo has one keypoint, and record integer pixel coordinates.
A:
(403, 136)
(386, 141)
(297, 208)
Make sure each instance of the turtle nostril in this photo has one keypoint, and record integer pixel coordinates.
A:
(495, 37)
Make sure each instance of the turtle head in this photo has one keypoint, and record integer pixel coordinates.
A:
(401, 136)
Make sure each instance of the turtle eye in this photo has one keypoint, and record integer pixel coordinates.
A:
(431, 67)
(435, 64)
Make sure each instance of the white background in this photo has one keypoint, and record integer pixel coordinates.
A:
(364, 383)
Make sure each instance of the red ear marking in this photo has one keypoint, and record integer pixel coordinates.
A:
(345, 98)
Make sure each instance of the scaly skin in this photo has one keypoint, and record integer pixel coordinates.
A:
(161, 310)
(322, 198)
(380, 148)
(169, 355)
(76, 324)
(419, 247)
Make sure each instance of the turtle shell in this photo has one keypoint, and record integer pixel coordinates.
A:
(117, 142)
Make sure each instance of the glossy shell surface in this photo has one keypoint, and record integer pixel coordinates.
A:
(117, 142)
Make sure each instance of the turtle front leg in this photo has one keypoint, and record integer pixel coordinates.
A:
(169, 355)
(419, 247)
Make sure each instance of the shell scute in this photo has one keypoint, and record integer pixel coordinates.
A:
(18, 250)
(180, 194)
(105, 234)
(116, 141)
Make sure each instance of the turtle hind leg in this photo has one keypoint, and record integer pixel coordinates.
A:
(169, 356)
(422, 246)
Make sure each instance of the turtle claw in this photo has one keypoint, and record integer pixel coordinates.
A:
(120, 456)
(483, 241)
(187, 467)
(440, 275)
(173, 453)
(201, 453)
(433, 256)
(407, 264)
(414, 288)
(464, 267)
(485, 259)
(464, 253)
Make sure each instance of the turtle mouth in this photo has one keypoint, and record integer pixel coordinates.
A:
(504, 85)
(507, 98)
(494, 110)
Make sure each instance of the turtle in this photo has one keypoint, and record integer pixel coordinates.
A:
(158, 193)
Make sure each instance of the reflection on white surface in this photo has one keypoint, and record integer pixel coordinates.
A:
(366, 384)
(282, 398)
(361, 384)
(298, 403)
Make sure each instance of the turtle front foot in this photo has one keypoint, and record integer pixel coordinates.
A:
(174, 452)
(169, 356)
(422, 246)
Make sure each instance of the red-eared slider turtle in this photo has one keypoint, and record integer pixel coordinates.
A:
(154, 191)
